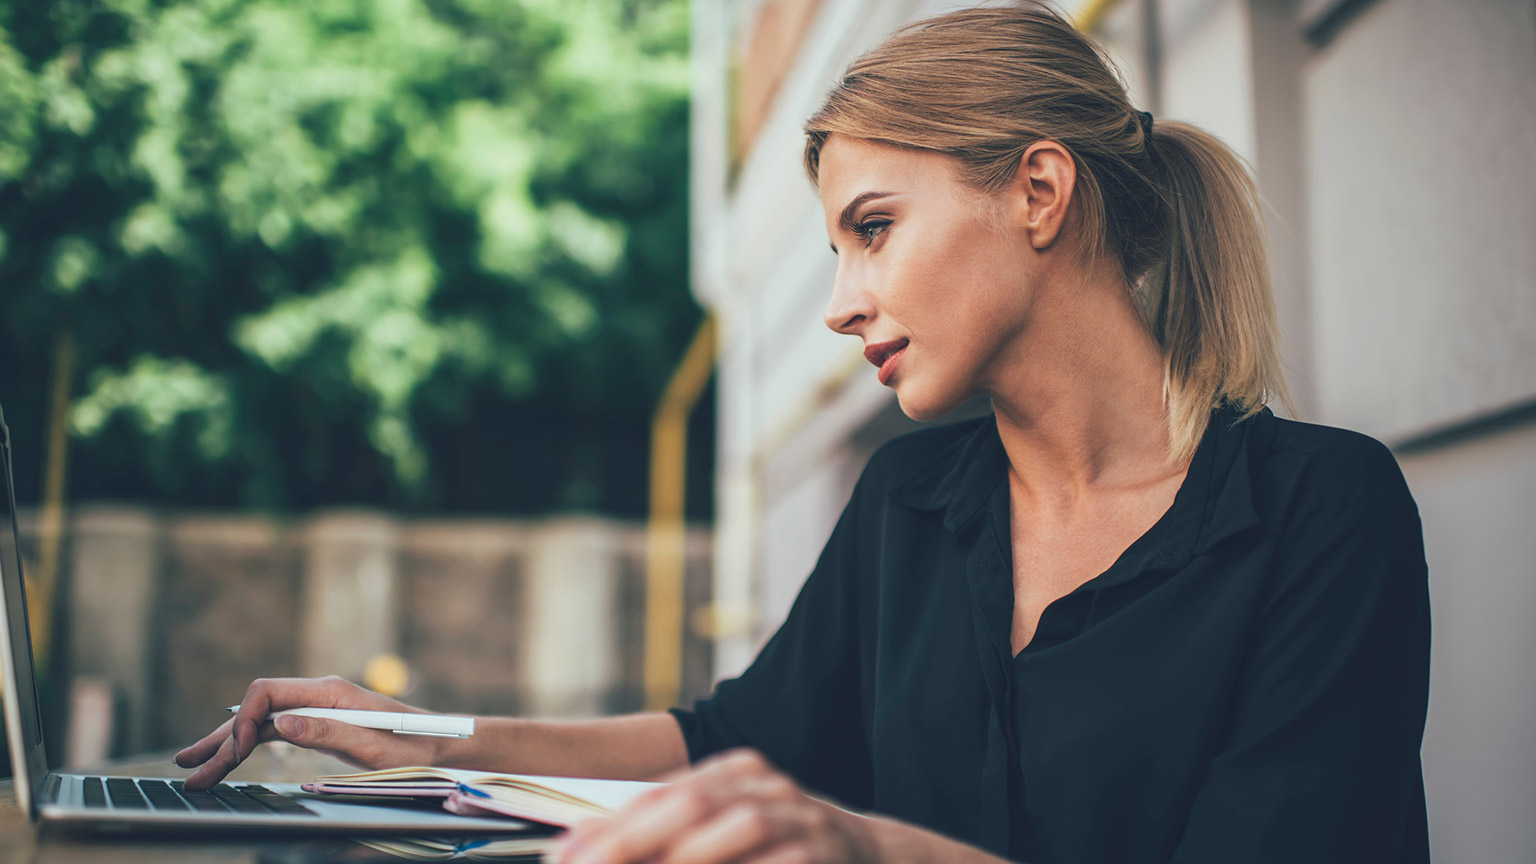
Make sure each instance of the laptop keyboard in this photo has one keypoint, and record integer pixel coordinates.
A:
(124, 793)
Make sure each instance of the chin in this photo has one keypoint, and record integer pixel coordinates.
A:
(924, 407)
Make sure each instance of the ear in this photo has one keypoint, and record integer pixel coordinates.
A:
(1041, 192)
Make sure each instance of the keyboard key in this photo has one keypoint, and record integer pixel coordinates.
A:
(95, 795)
(161, 796)
(202, 801)
(124, 794)
(238, 802)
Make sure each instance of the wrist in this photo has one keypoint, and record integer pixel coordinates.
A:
(865, 841)
(890, 841)
(458, 752)
(486, 750)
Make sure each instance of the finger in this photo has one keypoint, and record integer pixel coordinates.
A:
(198, 753)
(580, 833)
(785, 853)
(739, 763)
(736, 833)
(730, 760)
(266, 695)
(224, 760)
(637, 833)
(353, 743)
(649, 823)
(675, 775)
(221, 763)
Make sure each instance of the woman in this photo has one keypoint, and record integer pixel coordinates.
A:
(1132, 616)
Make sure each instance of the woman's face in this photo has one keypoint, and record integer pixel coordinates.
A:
(935, 285)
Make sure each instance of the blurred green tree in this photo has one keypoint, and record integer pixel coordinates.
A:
(420, 253)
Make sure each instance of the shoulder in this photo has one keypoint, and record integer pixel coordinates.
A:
(1328, 443)
(1328, 473)
(1344, 543)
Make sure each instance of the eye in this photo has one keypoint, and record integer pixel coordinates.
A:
(869, 229)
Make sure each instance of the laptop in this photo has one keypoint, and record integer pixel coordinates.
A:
(159, 804)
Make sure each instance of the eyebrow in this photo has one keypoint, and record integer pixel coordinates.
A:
(845, 221)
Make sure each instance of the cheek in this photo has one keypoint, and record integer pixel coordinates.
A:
(933, 273)
(954, 283)
(998, 285)
(974, 291)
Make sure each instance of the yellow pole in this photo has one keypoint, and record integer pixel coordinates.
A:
(51, 525)
(666, 531)
(1088, 17)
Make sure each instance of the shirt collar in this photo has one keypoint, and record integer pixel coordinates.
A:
(961, 476)
(1239, 451)
(1216, 500)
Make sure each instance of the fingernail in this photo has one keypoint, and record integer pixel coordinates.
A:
(290, 726)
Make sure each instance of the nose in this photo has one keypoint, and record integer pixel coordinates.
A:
(850, 307)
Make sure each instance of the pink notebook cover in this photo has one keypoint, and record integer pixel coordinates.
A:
(434, 791)
(473, 805)
(458, 802)
(609, 794)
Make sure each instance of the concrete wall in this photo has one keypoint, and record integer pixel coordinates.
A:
(1478, 500)
(1420, 128)
(172, 615)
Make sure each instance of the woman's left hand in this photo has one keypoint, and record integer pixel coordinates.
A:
(735, 807)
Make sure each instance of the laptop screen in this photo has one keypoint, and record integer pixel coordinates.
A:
(24, 727)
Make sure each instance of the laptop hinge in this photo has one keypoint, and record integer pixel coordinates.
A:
(50, 789)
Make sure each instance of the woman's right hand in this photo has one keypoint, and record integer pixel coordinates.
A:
(227, 746)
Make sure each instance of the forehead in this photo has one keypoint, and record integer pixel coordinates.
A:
(849, 166)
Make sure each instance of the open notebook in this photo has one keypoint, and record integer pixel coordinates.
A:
(473, 849)
(557, 801)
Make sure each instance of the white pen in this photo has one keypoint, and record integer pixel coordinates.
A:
(439, 725)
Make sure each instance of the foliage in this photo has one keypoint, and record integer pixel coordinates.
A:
(326, 251)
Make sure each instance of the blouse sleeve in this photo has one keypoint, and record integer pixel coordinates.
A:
(1321, 760)
(799, 702)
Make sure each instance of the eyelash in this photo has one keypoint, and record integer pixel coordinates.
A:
(867, 229)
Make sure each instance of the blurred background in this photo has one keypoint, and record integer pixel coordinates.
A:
(331, 337)
(473, 348)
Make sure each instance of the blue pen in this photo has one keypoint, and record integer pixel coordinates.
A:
(470, 790)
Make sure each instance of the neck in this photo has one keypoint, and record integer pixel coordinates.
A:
(1080, 401)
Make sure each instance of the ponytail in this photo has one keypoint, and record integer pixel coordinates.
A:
(1208, 301)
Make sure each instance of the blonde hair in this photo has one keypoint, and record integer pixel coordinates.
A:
(1178, 210)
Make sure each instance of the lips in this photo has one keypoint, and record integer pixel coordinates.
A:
(886, 355)
(879, 353)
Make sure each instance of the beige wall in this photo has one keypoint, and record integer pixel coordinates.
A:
(175, 614)
(1398, 165)
(1477, 498)
(1420, 127)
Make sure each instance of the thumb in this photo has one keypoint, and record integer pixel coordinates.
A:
(342, 740)
(304, 731)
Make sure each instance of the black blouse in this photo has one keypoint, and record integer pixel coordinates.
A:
(1247, 682)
